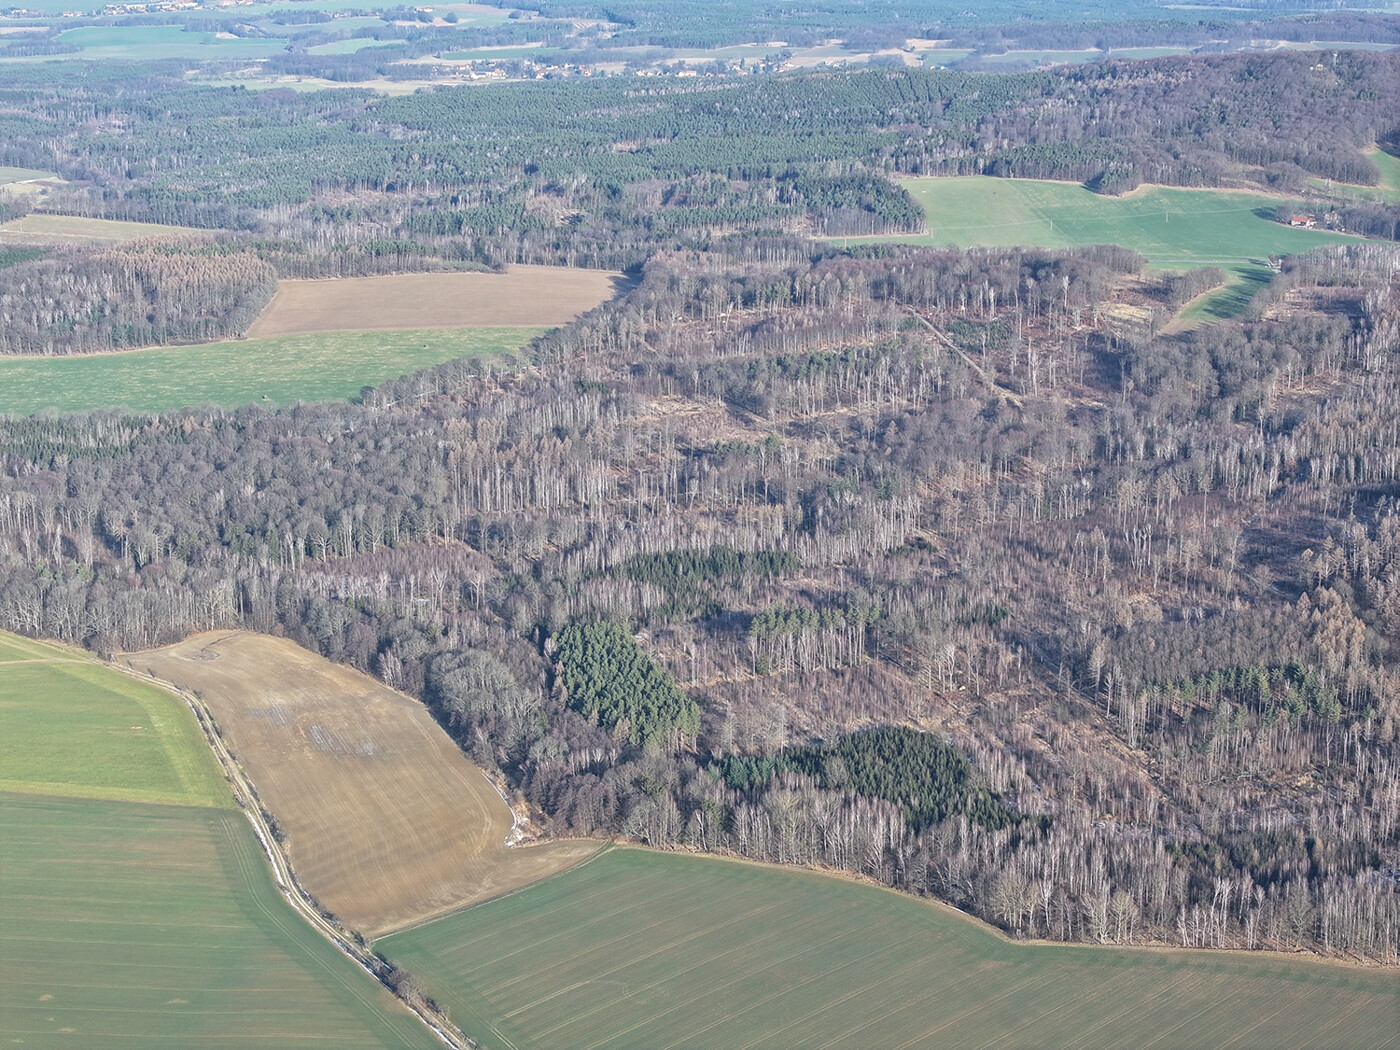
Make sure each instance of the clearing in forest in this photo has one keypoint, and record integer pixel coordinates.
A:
(272, 372)
(523, 296)
(42, 228)
(1175, 229)
(386, 822)
(641, 949)
(155, 922)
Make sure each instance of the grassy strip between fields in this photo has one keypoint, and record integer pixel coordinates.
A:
(640, 949)
(132, 923)
(275, 371)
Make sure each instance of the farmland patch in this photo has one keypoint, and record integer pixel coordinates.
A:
(272, 372)
(524, 296)
(42, 228)
(386, 822)
(639, 949)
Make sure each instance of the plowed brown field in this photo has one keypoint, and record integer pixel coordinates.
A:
(524, 295)
(386, 822)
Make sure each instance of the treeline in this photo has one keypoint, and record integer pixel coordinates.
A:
(157, 292)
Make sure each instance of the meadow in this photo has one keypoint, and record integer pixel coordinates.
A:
(642, 949)
(1174, 229)
(141, 924)
(148, 43)
(274, 371)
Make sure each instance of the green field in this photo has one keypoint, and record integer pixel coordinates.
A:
(1173, 229)
(69, 726)
(147, 43)
(137, 924)
(8, 175)
(275, 371)
(640, 949)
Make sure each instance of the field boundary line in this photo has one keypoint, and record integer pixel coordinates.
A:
(283, 875)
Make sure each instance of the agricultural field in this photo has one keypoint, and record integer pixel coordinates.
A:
(149, 43)
(1175, 229)
(42, 228)
(150, 923)
(9, 176)
(641, 949)
(386, 822)
(272, 372)
(523, 296)
(75, 728)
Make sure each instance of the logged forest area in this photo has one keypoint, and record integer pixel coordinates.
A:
(975, 572)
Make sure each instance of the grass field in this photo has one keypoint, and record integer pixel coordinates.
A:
(41, 228)
(317, 367)
(136, 924)
(527, 296)
(386, 821)
(639, 949)
(1174, 229)
(69, 726)
(9, 175)
(133, 925)
(147, 43)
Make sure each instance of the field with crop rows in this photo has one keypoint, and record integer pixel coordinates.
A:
(640, 949)
(142, 923)
(386, 822)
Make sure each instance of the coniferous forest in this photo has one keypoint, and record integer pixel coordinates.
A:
(964, 570)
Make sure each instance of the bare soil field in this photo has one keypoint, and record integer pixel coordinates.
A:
(42, 228)
(524, 295)
(386, 822)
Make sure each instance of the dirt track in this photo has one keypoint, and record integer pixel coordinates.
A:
(525, 296)
(386, 822)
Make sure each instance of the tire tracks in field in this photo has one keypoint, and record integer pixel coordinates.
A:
(291, 890)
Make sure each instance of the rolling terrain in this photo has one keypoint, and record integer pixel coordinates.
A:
(136, 905)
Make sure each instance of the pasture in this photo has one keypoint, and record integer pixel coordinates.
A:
(641, 949)
(1175, 229)
(145, 926)
(69, 726)
(523, 296)
(386, 821)
(148, 43)
(133, 923)
(42, 228)
(272, 372)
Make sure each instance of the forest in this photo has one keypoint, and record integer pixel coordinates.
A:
(963, 570)
(1136, 584)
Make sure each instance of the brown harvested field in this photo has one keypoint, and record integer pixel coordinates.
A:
(42, 228)
(386, 822)
(528, 296)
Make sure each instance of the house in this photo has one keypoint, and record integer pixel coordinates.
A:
(1305, 221)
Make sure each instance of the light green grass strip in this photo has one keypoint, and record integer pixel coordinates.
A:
(640, 949)
(70, 726)
(275, 371)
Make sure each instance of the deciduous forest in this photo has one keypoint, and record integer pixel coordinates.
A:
(963, 570)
